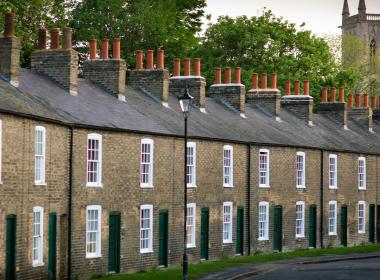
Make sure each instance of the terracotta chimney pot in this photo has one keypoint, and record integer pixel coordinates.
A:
(218, 75)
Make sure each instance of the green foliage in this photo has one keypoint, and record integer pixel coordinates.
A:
(30, 15)
(143, 24)
(266, 43)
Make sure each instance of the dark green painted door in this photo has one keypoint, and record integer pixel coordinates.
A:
(163, 239)
(240, 231)
(52, 254)
(10, 270)
(371, 223)
(378, 224)
(313, 226)
(277, 238)
(204, 233)
(114, 243)
(343, 225)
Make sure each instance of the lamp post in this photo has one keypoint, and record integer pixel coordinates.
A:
(185, 101)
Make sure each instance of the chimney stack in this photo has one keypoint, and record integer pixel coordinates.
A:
(335, 111)
(10, 52)
(361, 114)
(232, 95)
(177, 67)
(60, 64)
(152, 81)
(108, 74)
(265, 99)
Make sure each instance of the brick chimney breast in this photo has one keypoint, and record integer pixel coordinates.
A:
(108, 74)
(299, 105)
(10, 53)
(336, 111)
(61, 65)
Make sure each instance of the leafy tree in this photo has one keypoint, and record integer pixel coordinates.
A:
(30, 15)
(144, 24)
(266, 43)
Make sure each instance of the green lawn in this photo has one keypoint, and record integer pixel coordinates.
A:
(200, 269)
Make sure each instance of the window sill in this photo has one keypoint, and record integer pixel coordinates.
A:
(89, 185)
(190, 246)
(38, 264)
(263, 239)
(264, 186)
(191, 186)
(362, 189)
(146, 251)
(300, 236)
(227, 242)
(333, 188)
(228, 186)
(40, 184)
(93, 256)
(332, 234)
(361, 232)
(301, 187)
(146, 186)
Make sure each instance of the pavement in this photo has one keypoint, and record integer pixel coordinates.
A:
(329, 267)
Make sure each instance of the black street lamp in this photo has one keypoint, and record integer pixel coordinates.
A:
(185, 101)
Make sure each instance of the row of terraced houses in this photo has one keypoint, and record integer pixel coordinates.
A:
(92, 168)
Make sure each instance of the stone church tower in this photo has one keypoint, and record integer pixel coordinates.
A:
(364, 26)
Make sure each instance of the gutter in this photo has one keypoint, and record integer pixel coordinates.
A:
(70, 203)
(321, 201)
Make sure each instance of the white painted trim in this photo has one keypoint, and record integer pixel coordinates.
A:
(150, 142)
(95, 136)
(150, 237)
(98, 252)
(231, 205)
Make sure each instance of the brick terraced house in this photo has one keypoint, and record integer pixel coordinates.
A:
(92, 169)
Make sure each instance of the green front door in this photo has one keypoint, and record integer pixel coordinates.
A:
(52, 253)
(10, 250)
(204, 233)
(343, 225)
(240, 231)
(371, 223)
(163, 238)
(313, 226)
(114, 243)
(277, 238)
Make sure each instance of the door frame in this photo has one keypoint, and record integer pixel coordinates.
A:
(117, 214)
(166, 262)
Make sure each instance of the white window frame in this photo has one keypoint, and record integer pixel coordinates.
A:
(333, 178)
(301, 170)
(149, 230)
(38, 237)
(192, 243)
(98, 183)
(42, 156)
(148, 164)
(362, 174)
(227, 224)
(191, 183)
(266, 170)
(264, 228)
(361, 218)
(98, 241)
(301, 225)
(228, 177)
(332, 227)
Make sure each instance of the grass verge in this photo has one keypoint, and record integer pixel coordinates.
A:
(199, 269)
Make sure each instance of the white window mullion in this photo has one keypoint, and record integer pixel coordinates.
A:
(191, 165)
(361, 216)
(190, 225)
(362, 173)
(332, 217)
(300, 170)
(39, 155)
(333, 171)
(93, 231)
(146, 166)
(227, 166)
(146, 228)
(264, 168)
(94, 160)
(300, 219)
(263, 220)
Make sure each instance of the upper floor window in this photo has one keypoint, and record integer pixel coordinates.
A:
(190, 224)
(300, 219)
(263, 220)
(39, 156)
(227, 166)
(93, 231)
(333, 170)
(264, 168)
(146, 168)
(227, 222)
(361, 217)
(146, 228)
(332, 217)
(38, 236)
(362, 173)
(191, 164)
(300, 170)
(94, 160)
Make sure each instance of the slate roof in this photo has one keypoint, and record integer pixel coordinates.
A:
(40, 97)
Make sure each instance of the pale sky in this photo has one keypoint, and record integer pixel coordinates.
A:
(320, 16)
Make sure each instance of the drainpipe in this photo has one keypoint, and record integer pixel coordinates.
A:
(249, 199)
(321, 201)
(70, 200)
